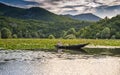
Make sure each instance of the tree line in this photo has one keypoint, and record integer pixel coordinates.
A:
(103, 29)
(20, 28)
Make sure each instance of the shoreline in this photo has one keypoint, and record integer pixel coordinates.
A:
(88, 46)
(24, 55)
(99, 46)
(8, 55)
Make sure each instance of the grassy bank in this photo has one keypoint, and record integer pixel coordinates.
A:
(49, 43)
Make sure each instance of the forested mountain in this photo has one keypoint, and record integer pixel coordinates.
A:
(103, 29)
(39, 23)
(85, 17)
(36, 13)
(38, 29)
(34, 22)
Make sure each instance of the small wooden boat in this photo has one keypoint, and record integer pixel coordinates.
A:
(79, 46)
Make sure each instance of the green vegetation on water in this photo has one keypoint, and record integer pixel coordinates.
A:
(49, 43)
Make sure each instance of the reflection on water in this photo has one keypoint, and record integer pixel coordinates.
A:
(106, 51)
(101, 51)
(21, 68)
(99, 66)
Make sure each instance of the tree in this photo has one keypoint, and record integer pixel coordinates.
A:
(105, 33)
(20, 35)
(71, 31)
(51, 36)
(106, 18)
(0, 34)
(27, 34)
(63, 34)
(6, 33)
(34, 35)
(98, 35)
(113, 37)
(14, 36)
(117, 35)
(70, 36)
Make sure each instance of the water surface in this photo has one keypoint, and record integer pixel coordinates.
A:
(47, 63)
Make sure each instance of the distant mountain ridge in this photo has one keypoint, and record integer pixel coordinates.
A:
(85, 17)
(31, 13)
(109, 11)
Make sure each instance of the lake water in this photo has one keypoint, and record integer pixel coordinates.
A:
(45, 63)
(104, 51)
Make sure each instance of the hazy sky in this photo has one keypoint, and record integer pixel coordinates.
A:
(72, 6)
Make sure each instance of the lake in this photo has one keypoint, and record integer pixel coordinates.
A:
(21, 62)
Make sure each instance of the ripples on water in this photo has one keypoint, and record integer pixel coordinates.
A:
(105, 51)
(107, 65)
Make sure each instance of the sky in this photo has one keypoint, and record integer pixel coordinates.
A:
(100, 8)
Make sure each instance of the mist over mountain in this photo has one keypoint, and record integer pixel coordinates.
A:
(109, 11)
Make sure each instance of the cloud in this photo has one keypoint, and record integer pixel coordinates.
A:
(21, 3)
(65, 6)
(109, 11)
(68, 6)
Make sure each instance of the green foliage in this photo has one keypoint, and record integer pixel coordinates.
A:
(117, 35)
(6, 33)
(51, 36)
(20, 35)
(105, 33)
(37, 22)
(103, 29)
(63, 34)
(71, 31)
(38, 44)
(36, 28)
(70, 36)
(0, 34)
(35, 35)
(14, 36)
(35, 13)
(113, 37)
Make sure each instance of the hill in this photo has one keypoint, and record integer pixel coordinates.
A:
(36, 13)
(26, 28)
(103, 29)
(36, 22)
(108, 10)
(85, 17)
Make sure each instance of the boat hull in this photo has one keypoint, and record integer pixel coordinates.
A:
(79, 46)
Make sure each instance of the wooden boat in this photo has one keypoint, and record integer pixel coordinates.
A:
(74, 47)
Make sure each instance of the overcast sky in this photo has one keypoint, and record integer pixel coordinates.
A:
(69, 6)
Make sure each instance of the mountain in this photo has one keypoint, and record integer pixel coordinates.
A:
(36, 22)
(103, 29)
(27, 28)
(109, 11)
(36, 13)
(85, 17)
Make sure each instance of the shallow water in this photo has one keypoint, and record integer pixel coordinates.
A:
(40, 63)
(105, 51)
(21, 68)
